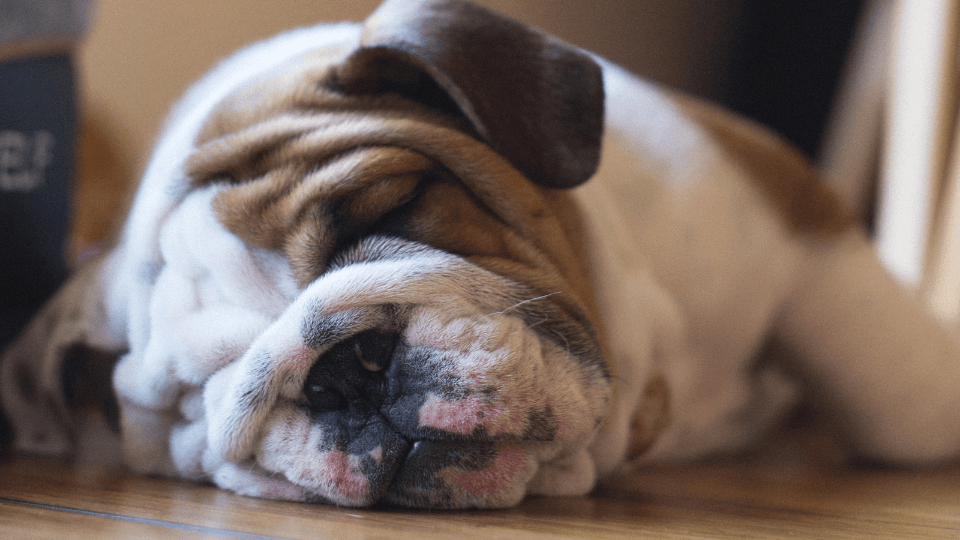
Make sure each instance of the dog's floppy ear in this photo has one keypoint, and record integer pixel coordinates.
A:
(536, 100)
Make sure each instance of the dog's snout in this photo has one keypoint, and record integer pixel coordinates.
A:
(351, 371)
(424, 412)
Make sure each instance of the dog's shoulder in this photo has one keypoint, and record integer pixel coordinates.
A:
(778, 169)
(681, 134)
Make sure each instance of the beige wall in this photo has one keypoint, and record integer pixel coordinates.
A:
(141, 54)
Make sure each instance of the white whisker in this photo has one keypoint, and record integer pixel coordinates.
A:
(520, 303)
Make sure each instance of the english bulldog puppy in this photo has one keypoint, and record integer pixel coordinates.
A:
(442, 259)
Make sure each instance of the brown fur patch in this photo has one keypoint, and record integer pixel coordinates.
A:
(307, 175)
(651, 418)
(779, 171)
(296, 210)
(311, 171)
(536, 100)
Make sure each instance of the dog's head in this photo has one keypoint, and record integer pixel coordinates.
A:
(443, 350)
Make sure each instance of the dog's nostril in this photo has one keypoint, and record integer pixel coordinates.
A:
(367, 364)
(352, 371)
(323, 399)
(374, 349)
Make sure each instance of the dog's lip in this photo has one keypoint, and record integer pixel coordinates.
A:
(398, 467)
(448, 474)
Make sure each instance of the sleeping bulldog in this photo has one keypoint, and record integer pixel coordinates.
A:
(441, 259)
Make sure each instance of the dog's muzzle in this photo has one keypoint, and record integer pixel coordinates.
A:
(406, 381)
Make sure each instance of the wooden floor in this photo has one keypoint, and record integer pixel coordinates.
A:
(738, 499)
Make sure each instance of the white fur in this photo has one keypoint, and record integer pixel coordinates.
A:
(694, 270)
(164, 182)
(694, 264)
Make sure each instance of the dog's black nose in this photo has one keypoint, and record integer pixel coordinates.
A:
(351, 371)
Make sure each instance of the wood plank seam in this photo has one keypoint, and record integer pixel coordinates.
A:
(142, 521)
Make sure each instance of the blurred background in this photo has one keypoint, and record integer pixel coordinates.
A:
(774, 60)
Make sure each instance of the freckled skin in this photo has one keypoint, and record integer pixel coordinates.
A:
(461, 417)
(494, 478)
(340, 470)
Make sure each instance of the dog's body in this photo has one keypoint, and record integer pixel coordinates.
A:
(327, 290)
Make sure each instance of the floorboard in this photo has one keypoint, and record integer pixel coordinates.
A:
(742, 498)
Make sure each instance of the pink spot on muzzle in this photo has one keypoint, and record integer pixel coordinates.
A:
(460, 417)
(498, 477)
(338, 469)
(466, 415)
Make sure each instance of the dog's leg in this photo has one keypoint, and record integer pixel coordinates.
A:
(875, 358)
(55, 378)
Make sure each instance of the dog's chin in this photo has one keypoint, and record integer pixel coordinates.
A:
(455, 408)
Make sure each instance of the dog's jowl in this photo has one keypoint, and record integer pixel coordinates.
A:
(441, 259)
